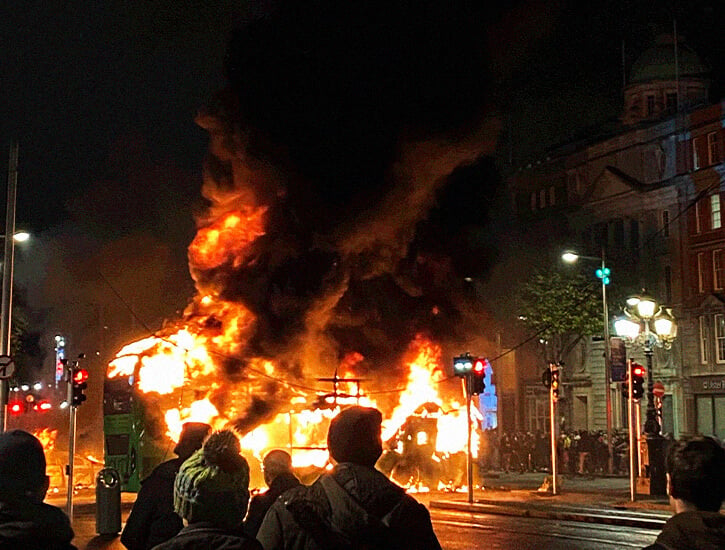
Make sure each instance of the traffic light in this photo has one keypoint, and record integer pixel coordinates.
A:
(546, 378)
(462, 365)
(16, 407)
(79, 381)
(603, 273)
(554, 381)
(638, 372)
(478, 384)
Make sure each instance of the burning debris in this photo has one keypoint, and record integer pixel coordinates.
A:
(289, 290)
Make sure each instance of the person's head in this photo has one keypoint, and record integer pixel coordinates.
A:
(191, 439)
(354, 436)
(275, 463)
(213, 484)
(696, 473)
(22, 467)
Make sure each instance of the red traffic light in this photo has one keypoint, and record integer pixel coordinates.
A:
(80, 376)
(479, 366)
(638, 370)
(16, 407)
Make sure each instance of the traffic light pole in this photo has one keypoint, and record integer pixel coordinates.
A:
(467, 383)
(71, 442)
(552, 421)
(632, 439)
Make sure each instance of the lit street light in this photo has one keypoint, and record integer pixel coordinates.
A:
(603, 274)
(640, 313)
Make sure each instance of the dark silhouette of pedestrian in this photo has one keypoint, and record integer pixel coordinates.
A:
(26, 522)
(279, 477)
(152, 519)
(211, 493)
(696, 486)
(352, 507)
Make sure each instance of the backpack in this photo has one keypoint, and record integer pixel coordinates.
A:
(378, 535)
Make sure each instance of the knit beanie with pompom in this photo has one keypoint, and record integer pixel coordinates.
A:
(213, 484)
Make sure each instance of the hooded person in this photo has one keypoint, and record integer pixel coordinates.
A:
(696, 487)
(25, 520)
(152, 519)
(211, 493)
(354, 506)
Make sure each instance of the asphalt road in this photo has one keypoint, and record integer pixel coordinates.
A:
(463, 531)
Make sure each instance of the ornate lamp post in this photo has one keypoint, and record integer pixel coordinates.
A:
(642, 314)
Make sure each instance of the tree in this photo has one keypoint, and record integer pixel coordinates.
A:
(560, 308)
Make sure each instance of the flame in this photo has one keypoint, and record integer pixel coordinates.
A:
(227, 240)
(46, 436)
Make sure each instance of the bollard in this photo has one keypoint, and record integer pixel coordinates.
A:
(108, 502)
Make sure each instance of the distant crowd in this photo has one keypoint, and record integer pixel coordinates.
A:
(578, 452)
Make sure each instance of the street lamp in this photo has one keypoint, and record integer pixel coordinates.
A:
(643, 312)
(603, 274)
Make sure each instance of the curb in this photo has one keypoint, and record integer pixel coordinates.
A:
(603, 517)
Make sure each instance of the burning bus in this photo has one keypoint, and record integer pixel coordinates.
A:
(424, 434)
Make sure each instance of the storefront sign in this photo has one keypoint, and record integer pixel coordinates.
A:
(710, 384)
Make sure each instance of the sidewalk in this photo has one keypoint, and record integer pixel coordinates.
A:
(580, 498)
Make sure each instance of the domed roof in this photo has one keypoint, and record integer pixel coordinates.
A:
(658, 62)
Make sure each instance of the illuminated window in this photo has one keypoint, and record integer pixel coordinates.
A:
(715, 211)
(720, 338)
(718, 269)
(703, 340)
(695, 155)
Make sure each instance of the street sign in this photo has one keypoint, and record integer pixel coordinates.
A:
(7, 367)
(658, 389)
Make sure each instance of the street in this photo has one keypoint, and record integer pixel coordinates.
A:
(461, 531)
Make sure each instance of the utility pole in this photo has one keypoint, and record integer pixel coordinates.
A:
(7, 287)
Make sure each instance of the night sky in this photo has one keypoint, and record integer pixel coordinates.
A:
(102, 98)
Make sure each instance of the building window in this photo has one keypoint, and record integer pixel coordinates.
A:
(634, 237)
(533, 201)
(696, 159)
(665, 223)
(720, 338)
(718, 269)
(671, 100)
(668, 284)
(542, 198)
(701, 272)
(650, 105)
(715, 211)
(704, 359)
(713, 150)
(552, 196)
(698, 222)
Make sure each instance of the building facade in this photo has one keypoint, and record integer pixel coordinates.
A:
(649, 197)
